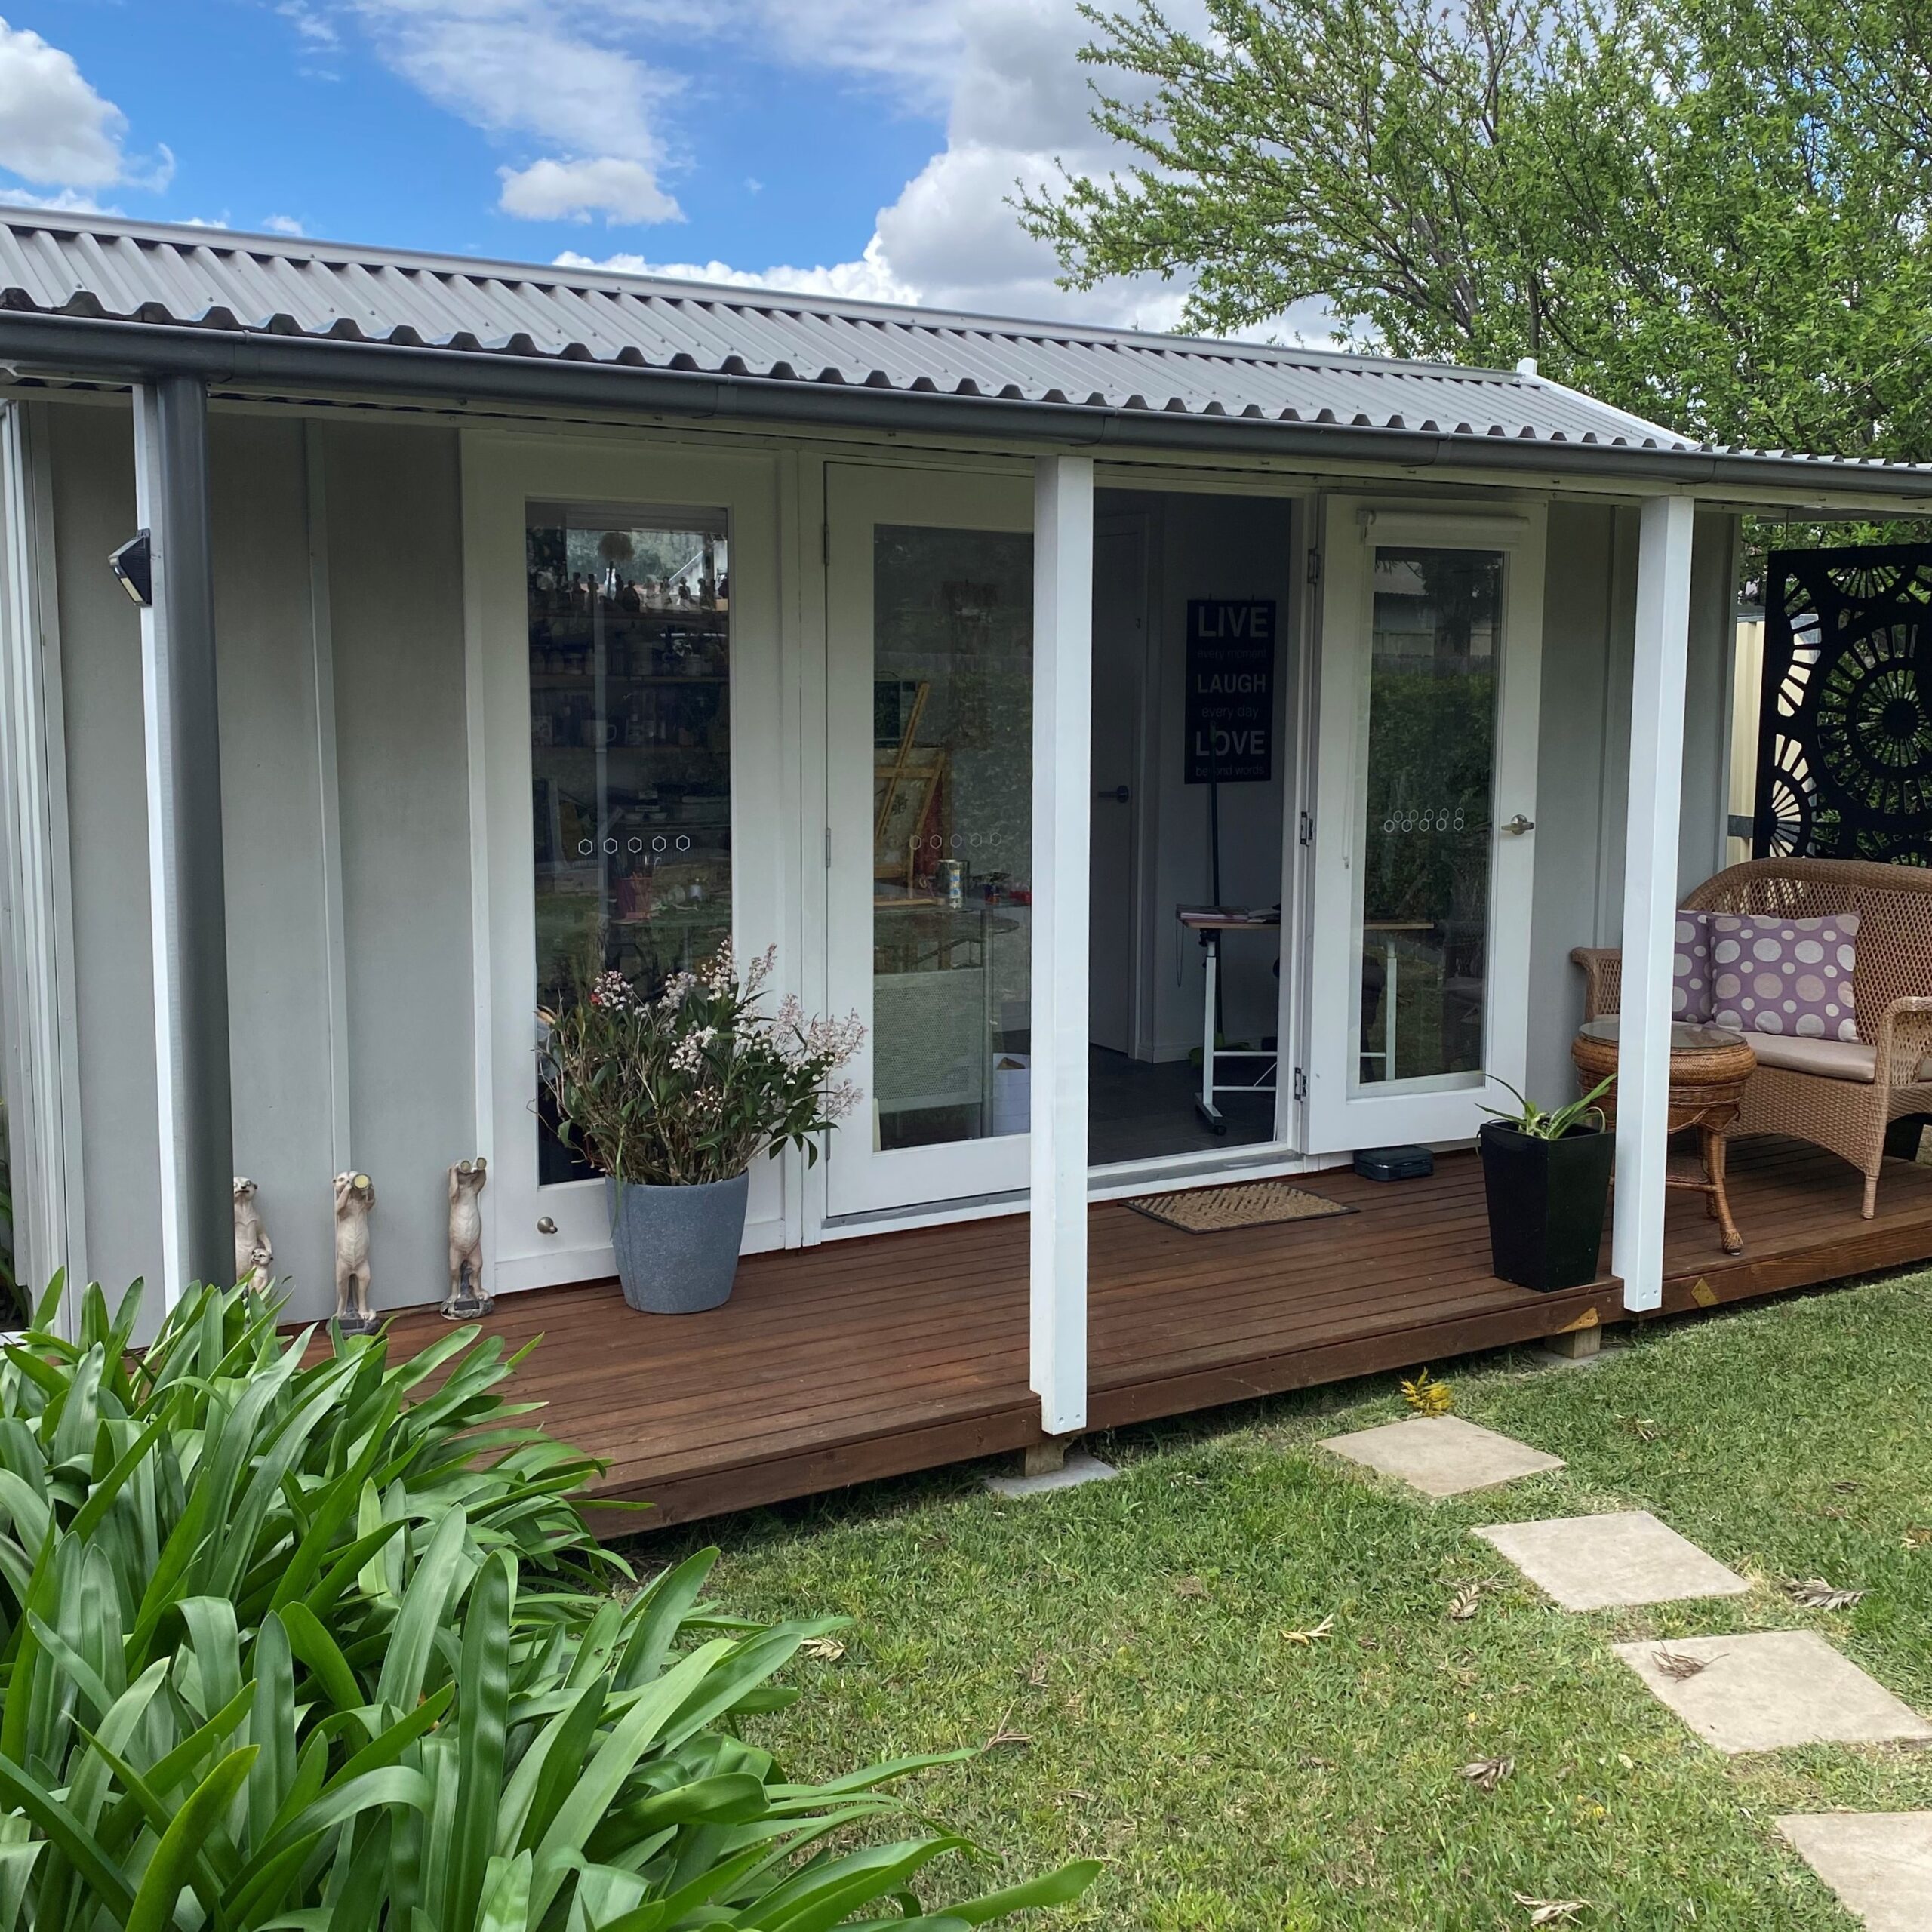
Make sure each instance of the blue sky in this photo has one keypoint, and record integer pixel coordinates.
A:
(860, 146)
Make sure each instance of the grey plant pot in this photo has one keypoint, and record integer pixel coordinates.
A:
(678, 1247)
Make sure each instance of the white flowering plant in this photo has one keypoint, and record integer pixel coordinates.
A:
(693, 1084)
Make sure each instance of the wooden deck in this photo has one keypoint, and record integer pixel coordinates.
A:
(878, 1356)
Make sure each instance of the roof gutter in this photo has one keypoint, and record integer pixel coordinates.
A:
(99, 349)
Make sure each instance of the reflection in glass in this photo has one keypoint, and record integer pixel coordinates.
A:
(952, 647)
(630, 618)
(1427, 826)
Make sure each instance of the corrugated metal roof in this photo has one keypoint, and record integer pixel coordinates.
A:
(88, 267)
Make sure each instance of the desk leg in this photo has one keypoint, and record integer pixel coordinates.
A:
(1211, 944)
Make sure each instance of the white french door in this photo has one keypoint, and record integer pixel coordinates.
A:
(1424, 821)
(929, 637)
(626, 766)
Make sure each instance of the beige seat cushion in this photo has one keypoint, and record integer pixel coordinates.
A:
(1831, 1060)
(1834, 1060)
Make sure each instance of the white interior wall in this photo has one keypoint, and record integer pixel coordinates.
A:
(1205, 545)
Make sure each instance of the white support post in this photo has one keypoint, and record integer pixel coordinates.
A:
(1650, 894)
(1063, 808)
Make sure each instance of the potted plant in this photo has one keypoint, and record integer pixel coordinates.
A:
(1546, 1175)
(672, 1098)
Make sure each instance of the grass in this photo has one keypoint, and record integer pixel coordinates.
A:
(1132, 1642)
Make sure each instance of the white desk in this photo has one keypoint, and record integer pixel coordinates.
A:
(1208, 923)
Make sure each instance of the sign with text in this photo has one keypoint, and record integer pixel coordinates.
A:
(1230, 709)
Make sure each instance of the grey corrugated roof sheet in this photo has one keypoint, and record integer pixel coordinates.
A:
(88, 267)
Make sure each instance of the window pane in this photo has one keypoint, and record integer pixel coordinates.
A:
(630, 747)
(952, 729)
(1427, 827)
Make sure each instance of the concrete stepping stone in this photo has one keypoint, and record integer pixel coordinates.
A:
(1879, 1863)
(1442, 1455)
(1604, 1562)
(1078, 1468)
(1772, 1689)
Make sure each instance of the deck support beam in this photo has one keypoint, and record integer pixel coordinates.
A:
(186, 886)
(1650, 893)
(1063, 808)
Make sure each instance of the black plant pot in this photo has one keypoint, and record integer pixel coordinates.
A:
(1547, 1203)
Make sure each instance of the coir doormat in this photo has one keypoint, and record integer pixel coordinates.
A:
(1255, 1203)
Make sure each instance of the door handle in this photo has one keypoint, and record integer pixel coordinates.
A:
(1519, 824)
(1119, 795)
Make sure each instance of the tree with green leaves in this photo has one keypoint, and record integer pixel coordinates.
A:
(1709, 212)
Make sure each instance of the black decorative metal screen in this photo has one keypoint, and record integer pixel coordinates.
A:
(1844, 729)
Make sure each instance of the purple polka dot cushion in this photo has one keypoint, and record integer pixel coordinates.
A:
(1784, 976)
(1691, 968)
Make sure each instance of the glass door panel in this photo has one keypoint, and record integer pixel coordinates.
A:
(952, 629)
(1425, 802)
(930, 600)
(1426, 816)
(630, 725)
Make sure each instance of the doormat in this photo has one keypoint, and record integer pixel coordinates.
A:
(1256, 1204)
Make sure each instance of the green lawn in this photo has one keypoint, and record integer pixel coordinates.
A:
(1132, 1639)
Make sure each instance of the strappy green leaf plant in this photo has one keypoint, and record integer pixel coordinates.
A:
(325, 1646)
(1553, 1123)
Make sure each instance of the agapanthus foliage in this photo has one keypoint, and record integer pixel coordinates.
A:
(324, 1645)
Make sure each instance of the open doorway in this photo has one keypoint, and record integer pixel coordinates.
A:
(1193, 775)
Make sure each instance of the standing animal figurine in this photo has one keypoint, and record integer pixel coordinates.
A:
(466, 1300)
(355, 1195)
(254, 1253)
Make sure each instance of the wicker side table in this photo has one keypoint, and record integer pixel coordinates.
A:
(1709, 1066)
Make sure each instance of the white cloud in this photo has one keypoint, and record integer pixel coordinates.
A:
(565, 76)
(912, 47)
(68, 200)
(55, 129)
(587, 82)
(574, 190)
(316, 28)
(522, 67)
(868, 279)
(1015, 97)
(281, 224)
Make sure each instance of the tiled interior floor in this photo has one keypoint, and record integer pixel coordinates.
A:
(1140, 1110)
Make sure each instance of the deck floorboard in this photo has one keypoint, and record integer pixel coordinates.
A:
(898, 1352)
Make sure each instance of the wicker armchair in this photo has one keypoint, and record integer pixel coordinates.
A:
(1841, 1094)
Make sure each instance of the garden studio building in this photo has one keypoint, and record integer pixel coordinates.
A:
(494, 612)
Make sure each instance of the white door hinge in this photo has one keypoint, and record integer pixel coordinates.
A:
(1307, 835)
(1301, 1084)
(828, 849)
(1315, 566)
